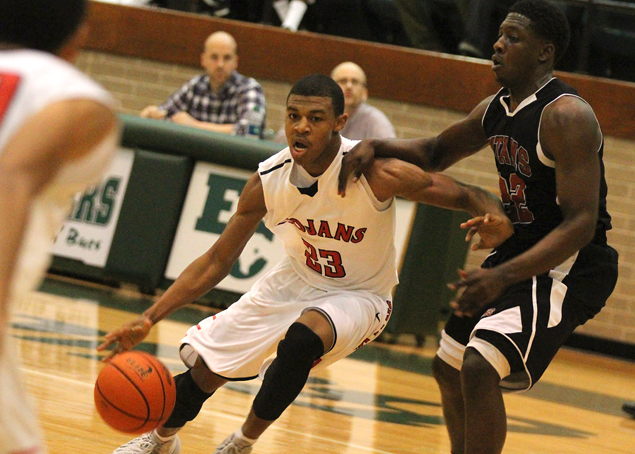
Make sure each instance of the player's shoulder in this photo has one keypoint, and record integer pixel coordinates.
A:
(569, 108)
(279, 161)
(48, 78)
(347, 144)
(28, 62)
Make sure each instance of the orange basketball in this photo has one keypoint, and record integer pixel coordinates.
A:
(135, 392)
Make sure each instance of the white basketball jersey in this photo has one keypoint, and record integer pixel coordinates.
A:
(334, 243)
(29, 82)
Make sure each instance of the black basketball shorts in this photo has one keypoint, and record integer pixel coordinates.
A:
(520, 333)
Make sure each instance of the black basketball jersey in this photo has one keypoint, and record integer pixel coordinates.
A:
(526, 176)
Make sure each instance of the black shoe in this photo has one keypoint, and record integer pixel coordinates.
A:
(629, 407)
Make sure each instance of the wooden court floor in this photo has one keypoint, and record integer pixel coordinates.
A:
(381, 400)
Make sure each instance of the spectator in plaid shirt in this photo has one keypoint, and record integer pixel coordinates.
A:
(218, 99)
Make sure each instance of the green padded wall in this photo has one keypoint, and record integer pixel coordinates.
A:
(200, 145)
(148, 218)
(435, 251)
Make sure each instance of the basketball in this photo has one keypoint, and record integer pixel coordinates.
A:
(134, 392)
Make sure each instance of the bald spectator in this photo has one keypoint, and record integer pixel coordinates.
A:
(364, 121)
(221, 100)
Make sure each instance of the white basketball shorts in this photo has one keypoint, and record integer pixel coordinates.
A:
(236, 342)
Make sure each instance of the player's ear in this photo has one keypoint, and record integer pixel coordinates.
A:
(548, 51)
(340, 122)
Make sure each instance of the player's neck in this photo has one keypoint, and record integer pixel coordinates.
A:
(521, 92)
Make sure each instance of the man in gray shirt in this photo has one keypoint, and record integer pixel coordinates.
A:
(364, 121)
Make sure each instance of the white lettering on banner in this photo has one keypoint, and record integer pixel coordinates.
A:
(211, 200)
(89, 228)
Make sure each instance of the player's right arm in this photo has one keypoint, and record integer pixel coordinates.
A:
(393, 177)
(203, 274)
(459, 140)
(30, 161)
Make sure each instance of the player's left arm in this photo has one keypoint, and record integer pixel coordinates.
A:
(570, 135)
(200, 276)
(393, 177)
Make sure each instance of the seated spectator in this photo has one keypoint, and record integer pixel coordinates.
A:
(364, 120)
(221, 100)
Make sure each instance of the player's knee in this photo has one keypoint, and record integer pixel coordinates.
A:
(288, 373)
(300, 346)
(189, 401)
(446, 376)
(477, 371)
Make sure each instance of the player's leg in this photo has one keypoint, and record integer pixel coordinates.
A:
(485, 416)
(193, 388)
(303, 344)
(449, 381)
(446, 368)
(330, 328)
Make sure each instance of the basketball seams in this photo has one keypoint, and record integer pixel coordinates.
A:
(124, 412)
(138, 388)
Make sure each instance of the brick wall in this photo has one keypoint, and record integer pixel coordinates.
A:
(137, 83)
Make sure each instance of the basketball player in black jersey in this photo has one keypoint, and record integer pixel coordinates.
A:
(556, 271)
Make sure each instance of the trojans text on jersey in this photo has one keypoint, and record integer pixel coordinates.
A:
(322, 228)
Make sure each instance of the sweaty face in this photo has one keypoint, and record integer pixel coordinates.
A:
(219, 60)
(311, 129)
(517, 51)
(353, 83)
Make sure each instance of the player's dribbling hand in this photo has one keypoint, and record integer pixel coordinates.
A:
(358, 159)
(492, 229)
(126, 337)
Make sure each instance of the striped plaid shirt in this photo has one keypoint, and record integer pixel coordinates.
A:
(233, 101)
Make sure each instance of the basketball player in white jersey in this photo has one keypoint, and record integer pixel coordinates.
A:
(328, 297)
(58, 132)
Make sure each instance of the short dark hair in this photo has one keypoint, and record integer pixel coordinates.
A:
(548, 21)
(322, 86)
(40, 24)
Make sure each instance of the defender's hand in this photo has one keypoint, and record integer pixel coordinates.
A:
(492, 229)
(358, 159)
(480, 288)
